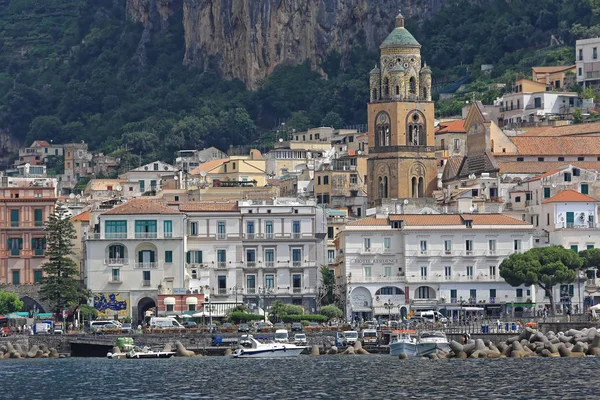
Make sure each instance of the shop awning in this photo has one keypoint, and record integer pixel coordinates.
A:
(361, 309)
(169, 301)
(191, 300)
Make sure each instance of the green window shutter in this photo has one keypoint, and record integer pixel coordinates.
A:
(140, 256)
(584, 188)
(151, 256)
(571, 290)
(187, 257)
(200, 257)
(168, 256)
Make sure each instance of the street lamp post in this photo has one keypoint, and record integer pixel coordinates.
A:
(235, 290)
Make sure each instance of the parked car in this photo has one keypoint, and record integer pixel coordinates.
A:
(340, 339)
(227, 327)
(263, 327)
(279, 325)
(189, 324)
(297, 327)
(126, 327)
(300, 339)
(281, 335)
(243, 328)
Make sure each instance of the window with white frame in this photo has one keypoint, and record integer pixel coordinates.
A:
(387, 271)
(367, 243)
(447, 246)
(517, 245)
(423, 272)
(492, 271)
(469, 246)
(367, 272)
(423, 246)
(387, 243)
(448, 272)
(470, 272)
(492, 246)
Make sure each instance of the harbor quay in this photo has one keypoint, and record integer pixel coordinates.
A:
(94, 345)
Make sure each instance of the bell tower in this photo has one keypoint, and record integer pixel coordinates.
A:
(402, 161)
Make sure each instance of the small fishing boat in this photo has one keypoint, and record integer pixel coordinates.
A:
(148, 353)
(403, 342)
(431, 342)
(268, 350)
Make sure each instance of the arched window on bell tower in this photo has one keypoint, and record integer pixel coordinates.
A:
(386, 88)
(412, 85)
(414, 187)
(415, 128)
(382, 183)
(383, 132)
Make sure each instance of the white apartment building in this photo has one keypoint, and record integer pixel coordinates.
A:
(256, 252)
(135, 254)
(397, 263)
(150, 175)
(587, 62)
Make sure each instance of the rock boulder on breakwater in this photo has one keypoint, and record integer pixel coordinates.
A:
(530, 343)
(181, 351)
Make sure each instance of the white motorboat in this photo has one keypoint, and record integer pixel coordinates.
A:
(402, 342)
(431, 342)
(144, 352)
(268, 350)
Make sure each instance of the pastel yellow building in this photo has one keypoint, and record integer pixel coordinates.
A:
(235, 171)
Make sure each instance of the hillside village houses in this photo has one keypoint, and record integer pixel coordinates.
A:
(409, 214)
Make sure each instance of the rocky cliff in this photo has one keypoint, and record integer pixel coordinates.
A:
(248, 39)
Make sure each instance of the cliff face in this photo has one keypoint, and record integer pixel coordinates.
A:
(248, 39)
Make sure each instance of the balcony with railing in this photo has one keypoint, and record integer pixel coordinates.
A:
(577, 225)
(146, 283)
(377, 279)
(269, 264)
(250, 290)
(455, 277)
(146, 265)
(222, 291)
(116, 261)
(251, 264)
(221, 264)
(296, 290)
(146, 235)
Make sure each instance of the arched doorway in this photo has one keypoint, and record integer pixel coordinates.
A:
(403, 312)
(30, 304)
(145, 304)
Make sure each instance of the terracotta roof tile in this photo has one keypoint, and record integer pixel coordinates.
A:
(551, 69)
(531, 167)
(457, 126)
(141, 206)
(208, 166)
(545, 174)
(209, 206)
(83, 217)
(42, 143)
(369, 221)
(567, 196)
(568, 130)
(455, 219)
(556, 145)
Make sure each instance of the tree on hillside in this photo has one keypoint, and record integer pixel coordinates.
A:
(544, 267)
(9, 302)
(333, 120)
(60, 286)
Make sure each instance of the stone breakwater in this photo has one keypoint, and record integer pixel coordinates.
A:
(530, 343)
(8, 350)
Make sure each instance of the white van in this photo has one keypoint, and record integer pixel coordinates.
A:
(351, 337)
(281, 335)
(434, 316)
(165, 323)
(102, 325)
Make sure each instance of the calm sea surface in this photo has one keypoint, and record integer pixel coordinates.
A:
(324, 377)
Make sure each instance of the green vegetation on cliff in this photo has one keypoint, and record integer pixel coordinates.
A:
(75, 70)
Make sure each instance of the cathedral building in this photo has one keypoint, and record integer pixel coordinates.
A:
(402, 162)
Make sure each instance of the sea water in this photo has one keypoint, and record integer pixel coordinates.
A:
(305, 377)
